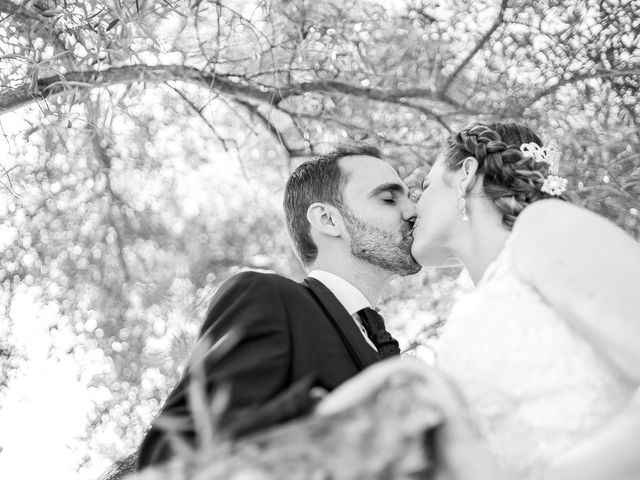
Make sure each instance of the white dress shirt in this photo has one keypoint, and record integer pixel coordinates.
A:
(349, 296)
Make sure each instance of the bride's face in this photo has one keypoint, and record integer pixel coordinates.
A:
(438, 218)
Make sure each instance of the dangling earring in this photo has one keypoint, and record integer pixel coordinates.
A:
(462, 204)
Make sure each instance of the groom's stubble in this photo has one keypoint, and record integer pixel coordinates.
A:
(390, 251)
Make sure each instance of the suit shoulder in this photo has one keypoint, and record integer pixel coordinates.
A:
(248, 295)
(259, 283)
(258, 277)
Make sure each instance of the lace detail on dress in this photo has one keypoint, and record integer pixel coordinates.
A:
(535, 387)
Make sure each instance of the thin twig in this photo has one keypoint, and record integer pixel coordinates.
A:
(198, 111)
(476, 49)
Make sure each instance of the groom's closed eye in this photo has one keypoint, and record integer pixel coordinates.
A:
(393, 197)
(389, 193)
(389, 198)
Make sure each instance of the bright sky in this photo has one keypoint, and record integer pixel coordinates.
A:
(45, 407)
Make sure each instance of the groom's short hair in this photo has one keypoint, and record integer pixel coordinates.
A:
(318, 180)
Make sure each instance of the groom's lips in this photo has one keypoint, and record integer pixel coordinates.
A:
(408, 234)
(408, 238)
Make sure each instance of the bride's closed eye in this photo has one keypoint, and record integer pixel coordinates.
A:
(415, 193)
(425, 184)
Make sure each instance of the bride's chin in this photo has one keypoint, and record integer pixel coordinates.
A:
(443, 263)
(451, 262)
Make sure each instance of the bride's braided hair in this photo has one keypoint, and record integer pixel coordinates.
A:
(510, 180)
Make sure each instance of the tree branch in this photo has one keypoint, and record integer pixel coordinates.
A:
(11, 8)
(271, 128)
(46, 87)
(373, 93)
(426, 111)
(476, 49)
(233, 85)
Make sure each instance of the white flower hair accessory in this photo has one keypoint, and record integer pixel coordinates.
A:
(553, 185)
(549, 155)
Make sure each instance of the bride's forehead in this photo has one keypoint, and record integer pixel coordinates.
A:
(438, 166)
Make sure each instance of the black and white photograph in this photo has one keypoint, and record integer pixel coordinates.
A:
(320, 240)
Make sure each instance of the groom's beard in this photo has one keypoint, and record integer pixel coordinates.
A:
(381, 248)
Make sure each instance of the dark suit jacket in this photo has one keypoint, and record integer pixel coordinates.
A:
(293, 336)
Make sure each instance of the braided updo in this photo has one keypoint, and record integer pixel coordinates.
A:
(510, 180)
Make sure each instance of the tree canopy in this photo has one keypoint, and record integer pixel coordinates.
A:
(146, 146)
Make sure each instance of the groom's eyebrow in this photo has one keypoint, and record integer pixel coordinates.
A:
(392, 187)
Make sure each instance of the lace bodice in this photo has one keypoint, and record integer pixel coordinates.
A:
(535, 387)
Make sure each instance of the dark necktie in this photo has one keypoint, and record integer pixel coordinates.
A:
(373, 323)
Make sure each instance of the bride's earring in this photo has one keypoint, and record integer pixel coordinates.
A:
(462, 205)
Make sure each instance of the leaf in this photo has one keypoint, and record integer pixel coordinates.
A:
(629, 185)
(112, 24)
(118, 7)
(142, 7)
(72, 99)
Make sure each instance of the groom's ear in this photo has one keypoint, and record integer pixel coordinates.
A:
(325, 219)
(469, 172)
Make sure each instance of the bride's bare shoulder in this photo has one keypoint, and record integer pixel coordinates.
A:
(554, 214)
(554, 225)
(553, 234)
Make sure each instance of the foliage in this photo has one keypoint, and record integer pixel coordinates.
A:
(148, 143)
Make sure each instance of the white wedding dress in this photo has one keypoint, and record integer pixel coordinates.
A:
(535, 387)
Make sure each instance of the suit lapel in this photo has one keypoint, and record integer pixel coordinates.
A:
(344, 324)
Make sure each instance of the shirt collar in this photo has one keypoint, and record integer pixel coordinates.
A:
(349, 296)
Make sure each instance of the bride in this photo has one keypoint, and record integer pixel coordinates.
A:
(538, 368)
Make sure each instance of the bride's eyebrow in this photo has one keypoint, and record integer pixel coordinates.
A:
(391, 187)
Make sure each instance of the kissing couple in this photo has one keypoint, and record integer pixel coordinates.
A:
(537, 370)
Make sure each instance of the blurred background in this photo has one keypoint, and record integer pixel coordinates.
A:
(144, 147)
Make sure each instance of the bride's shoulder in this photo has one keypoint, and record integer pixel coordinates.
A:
(556, 223)
(551, 231)
(586, 267)
(551, 215)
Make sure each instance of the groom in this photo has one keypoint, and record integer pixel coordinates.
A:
(350, 217)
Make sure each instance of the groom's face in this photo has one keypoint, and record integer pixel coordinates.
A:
(378, 214)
